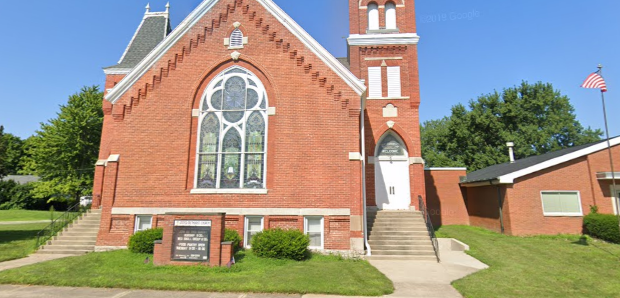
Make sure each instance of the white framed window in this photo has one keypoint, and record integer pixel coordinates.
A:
(232, 133)
(561, 203)
(394, 82)
(390, 15)
(373, 16)
(375, 88)
(253, 225)
(143, 222)
(236, 39)
(313, 227)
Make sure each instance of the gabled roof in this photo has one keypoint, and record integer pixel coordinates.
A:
(506, 173)
(21, 179)
(145, 65)
(155, 26)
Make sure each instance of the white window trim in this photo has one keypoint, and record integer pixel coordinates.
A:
(322, 230)
(203, 113)
(561, 214)
(245, 228)
(137, 222)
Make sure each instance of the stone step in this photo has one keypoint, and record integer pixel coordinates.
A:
(402, 258)
(410, 215)
(73, 242)
(400, 242)
(77, 238)
(399, 225)
(411, 237)
(63, 252)
(389, 229)
(403, 252)
(73, 233)
(423, 247)
(68, 247)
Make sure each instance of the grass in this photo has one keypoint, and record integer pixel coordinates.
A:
(539, 266)
(17, 241)
(122, 269)
(25, 215)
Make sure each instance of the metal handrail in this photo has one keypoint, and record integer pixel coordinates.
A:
(429, 226)
(59, 224)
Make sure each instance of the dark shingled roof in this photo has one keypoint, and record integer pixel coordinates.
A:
(494, 172)
(152, 31)
(344, 61)
(21, 179)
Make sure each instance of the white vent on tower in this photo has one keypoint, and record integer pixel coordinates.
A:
(236, 39)
(393, 76)
(374, 82)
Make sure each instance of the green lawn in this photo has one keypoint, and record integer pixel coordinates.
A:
(17, 241)
(122, 269)
(540, 266)
(25, 215)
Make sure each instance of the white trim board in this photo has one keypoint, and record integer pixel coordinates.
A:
(152, 58)
(235, 211)
(383, 39)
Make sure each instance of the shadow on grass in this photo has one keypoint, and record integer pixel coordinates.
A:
(15, 235)
(605, 250)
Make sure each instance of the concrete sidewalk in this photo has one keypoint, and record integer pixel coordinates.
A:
(31, 259)
(7, 223)
(410, 278)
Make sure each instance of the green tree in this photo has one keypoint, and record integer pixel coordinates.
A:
(64, 151)
(2, 153)
(14, 150)
(537, 118)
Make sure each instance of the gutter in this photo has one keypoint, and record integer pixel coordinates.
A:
(363, 139)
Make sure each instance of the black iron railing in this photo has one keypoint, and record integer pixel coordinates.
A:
(59, 224)
(429, 226)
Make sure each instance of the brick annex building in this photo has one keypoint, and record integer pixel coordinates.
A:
(239, 110)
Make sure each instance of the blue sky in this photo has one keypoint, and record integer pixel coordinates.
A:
(50, 49)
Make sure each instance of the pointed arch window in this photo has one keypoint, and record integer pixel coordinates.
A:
(390, 15)
(373, 16)
(233, 132)
(236, 39)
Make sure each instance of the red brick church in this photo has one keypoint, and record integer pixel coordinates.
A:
(239, 110)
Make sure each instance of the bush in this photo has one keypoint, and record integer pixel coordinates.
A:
(144, 241)
(232, 236)
(602, 226)
(18, 196)
(281, 244)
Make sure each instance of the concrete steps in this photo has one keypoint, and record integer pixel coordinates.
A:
(399, 235)
(78, 238)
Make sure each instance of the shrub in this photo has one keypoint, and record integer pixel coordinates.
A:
(281, 244)
(143, 241)
(18, 196)
(602, 226)
(232, 236)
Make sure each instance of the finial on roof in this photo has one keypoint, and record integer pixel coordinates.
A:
(168, 7)
(148, 7)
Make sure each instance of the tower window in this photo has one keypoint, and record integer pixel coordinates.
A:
(390, 15)
(373, 16)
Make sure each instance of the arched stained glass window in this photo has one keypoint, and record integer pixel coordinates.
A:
(233, 133)
(391, 146)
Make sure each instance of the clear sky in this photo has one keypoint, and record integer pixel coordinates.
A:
(50, 49)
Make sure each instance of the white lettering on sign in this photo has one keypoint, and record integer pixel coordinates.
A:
(192, 223)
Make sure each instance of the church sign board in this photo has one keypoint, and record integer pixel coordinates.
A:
(191, 240)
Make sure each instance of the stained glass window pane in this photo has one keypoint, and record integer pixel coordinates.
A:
(390, 146)
(235, 70)
(263, 103)
(209, 134)
(218, 84)
(216, 100)
(252, 99)
(231, 167)
(251, 83)
(255, 133)
(207, 170)
(232, 141)
(233, 117)
(254, 167)
(234, 94)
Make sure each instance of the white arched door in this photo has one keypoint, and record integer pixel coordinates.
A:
(392, 184)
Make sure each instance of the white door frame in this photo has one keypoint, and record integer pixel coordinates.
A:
(396, 193)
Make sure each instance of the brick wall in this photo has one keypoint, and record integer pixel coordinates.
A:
(444, 198)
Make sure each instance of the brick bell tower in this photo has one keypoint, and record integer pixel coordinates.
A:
(383, 52)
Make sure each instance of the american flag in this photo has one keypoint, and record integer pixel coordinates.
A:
(595, 81)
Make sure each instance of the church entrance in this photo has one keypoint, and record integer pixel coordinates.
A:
(392, 186)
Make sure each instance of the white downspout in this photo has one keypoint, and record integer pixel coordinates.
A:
(363, 139)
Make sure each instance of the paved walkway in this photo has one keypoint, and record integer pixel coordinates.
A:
(29, 260)
(410, 278)
(6, 223)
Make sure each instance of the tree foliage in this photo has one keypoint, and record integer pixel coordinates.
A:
(2, 153)
(64, 151)
(537, 118)
(13, 151)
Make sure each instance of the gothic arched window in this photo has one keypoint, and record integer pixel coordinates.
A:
(232, 141)
(390, 15)
(373, 16)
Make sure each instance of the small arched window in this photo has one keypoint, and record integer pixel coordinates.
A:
(236, 39)
(390, 15)
(232, 133)
(373, 16)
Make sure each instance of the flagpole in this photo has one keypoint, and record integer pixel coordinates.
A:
(614, 195)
